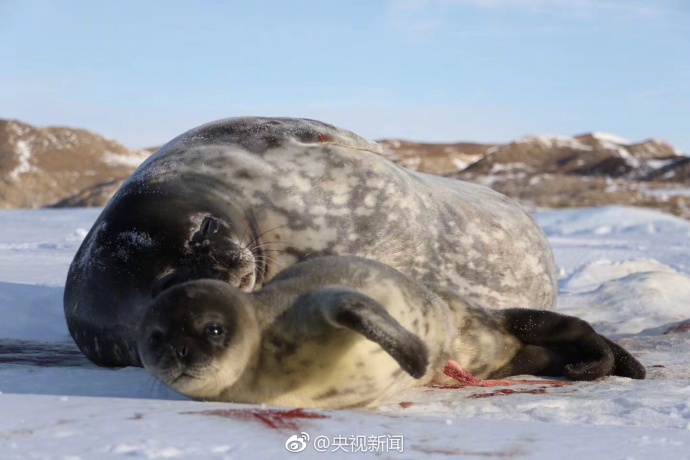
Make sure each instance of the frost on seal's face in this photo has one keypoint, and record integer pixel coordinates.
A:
(198, 346)
(156, 241)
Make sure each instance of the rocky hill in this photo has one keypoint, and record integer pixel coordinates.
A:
(588, 170)
(72, 167)
(43, 166)
(587, 155)
(439, 159)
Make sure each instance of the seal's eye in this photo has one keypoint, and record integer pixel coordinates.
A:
(155, 338)
(214, 331)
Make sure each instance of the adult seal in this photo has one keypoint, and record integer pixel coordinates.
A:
(240, 199)
(340, 332)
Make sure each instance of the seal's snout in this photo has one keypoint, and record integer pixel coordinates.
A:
(197, 335)
(213, 251)
(228, 263)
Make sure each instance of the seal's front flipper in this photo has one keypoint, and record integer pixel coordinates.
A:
(560, 345)
(341, 307)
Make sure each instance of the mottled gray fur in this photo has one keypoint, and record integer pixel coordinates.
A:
(298, 355)
(282, 190)
(339, 332)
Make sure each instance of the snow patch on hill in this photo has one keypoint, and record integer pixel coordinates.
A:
(132, 160)
(24, 155)
(612, 138)
(554, 141)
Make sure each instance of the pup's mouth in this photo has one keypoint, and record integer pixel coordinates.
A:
(184, 376)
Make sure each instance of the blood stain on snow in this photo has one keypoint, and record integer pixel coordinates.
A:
(273, 418)
(465, 379)
(406, 404)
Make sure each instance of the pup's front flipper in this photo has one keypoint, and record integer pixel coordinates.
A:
(560, 345)
(316, 314)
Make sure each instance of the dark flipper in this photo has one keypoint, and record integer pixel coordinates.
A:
(560, 345)
(345, 308)
(626, 364)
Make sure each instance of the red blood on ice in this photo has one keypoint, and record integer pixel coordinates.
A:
(454, 370)
(273, 418)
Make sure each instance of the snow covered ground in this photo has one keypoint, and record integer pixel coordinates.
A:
(625, 270)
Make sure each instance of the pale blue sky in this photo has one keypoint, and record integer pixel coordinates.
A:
(432, 70)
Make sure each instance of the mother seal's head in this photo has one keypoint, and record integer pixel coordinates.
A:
(145, 243)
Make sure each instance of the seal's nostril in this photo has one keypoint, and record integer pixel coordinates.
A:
(182, 352)
(209, 226)
(156, 338)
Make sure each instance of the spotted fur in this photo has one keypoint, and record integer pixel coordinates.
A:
(278, 191)
(340, 332)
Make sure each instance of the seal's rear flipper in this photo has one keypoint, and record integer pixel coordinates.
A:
(626, 364)
(346, 308)
(560, 345)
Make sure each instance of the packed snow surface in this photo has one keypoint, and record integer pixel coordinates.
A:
(625, 270)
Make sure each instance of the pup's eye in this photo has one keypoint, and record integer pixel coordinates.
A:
(155, 338)
(215, 330)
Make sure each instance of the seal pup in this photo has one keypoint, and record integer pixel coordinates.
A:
(240, 199)
(339, 332)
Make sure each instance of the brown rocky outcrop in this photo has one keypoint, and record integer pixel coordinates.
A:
(42, 166)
